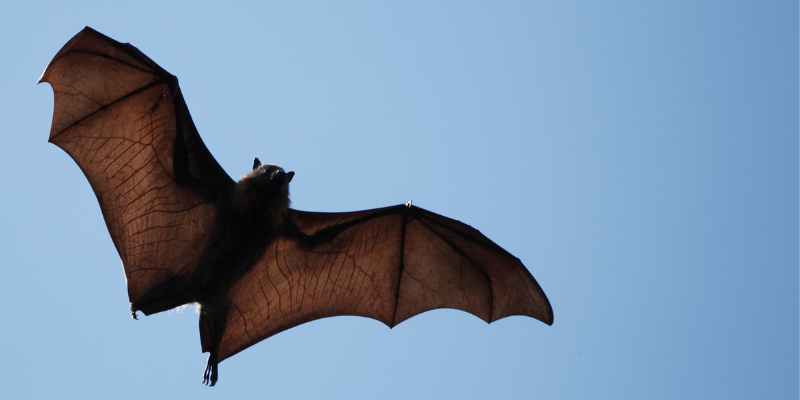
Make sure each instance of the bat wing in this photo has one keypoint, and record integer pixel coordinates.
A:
(388, 264)
(122, 118)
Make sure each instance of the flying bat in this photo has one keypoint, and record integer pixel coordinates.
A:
(188, 233)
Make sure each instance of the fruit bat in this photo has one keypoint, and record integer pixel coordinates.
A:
(187, 233)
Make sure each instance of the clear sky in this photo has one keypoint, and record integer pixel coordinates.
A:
(641, 159)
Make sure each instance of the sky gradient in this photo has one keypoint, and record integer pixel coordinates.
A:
(641, 159)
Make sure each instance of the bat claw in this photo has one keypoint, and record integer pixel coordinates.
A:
(210, 375)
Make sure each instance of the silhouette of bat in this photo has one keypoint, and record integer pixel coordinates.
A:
(186, 232)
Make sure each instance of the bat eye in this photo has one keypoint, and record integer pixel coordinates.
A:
(277, 175)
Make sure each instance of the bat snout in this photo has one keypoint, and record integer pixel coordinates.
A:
(280, 176)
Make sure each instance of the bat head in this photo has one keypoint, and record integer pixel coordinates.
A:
(269, 168)
(266, 187)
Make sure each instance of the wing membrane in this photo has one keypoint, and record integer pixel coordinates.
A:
(388, 264)
(119, 115)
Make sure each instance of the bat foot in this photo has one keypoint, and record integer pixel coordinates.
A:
(133, 312)
(211, 373)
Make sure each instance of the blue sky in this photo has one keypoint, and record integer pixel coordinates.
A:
(640, 158)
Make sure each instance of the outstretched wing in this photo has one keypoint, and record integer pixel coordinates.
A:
(388, 264)
(122, 118)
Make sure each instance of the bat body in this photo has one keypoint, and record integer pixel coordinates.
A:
(249, 217)
(187, 233)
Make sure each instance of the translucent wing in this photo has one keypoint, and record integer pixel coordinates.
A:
(123, 120)
(388, 264)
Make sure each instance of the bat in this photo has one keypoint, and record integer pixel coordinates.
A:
(188, 233)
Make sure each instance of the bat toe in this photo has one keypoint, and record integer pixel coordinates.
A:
(211, 373)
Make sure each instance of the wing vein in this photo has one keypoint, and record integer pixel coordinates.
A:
(401, 266)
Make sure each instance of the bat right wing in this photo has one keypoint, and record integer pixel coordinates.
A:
(388, 264)
(122, 118)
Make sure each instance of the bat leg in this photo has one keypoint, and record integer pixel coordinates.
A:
(212, 327)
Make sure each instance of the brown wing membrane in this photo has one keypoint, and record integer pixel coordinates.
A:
(118, 115)
(388, 264)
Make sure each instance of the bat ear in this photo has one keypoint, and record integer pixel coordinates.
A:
(256, 164)
(289, 176)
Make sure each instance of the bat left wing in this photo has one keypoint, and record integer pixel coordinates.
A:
(388, 264)
(122, 118)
